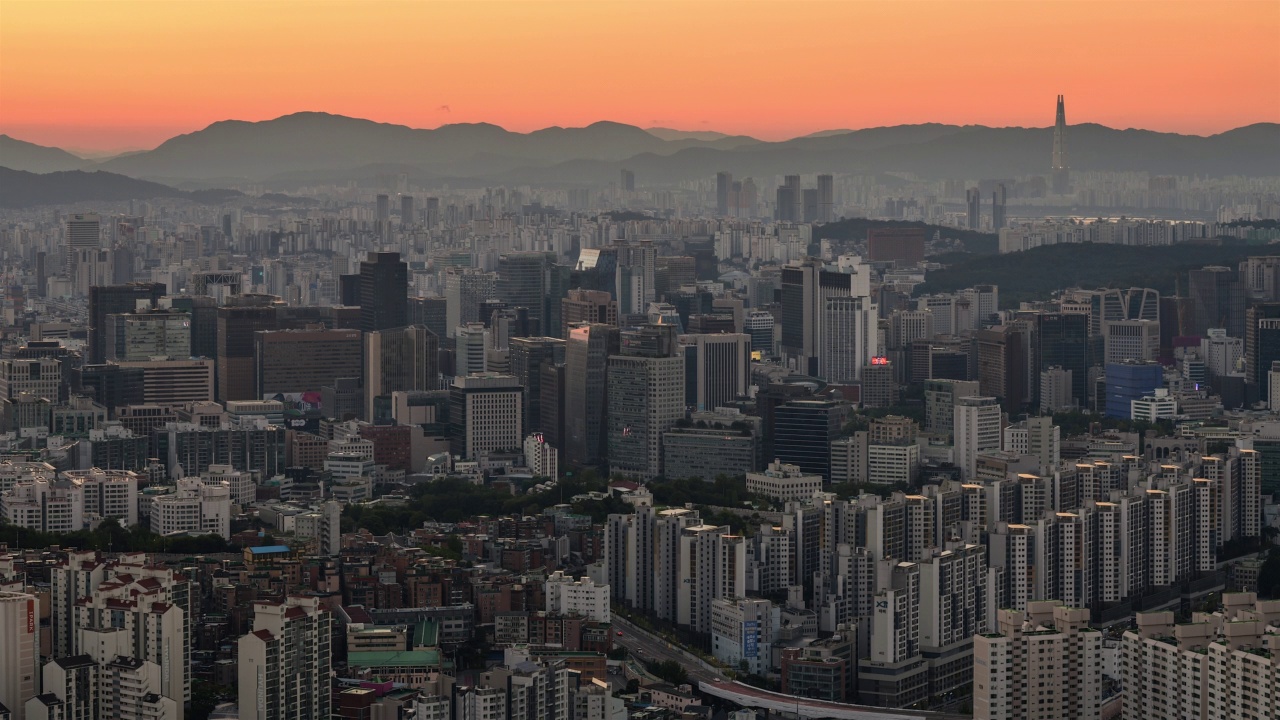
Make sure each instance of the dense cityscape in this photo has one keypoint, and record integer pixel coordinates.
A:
(616, 423)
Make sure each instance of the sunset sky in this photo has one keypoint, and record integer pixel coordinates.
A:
(114, 75)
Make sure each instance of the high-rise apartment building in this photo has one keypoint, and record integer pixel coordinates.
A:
(1039, 664)
(712, 565)
(20, 645)
(284, 664)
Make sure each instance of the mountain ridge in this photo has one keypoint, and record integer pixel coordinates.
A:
(327, 144)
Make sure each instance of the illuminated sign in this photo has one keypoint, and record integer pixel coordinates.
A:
(879, 360)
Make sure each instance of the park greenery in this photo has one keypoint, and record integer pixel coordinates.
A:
(111, 536)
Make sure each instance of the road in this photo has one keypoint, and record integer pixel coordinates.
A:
(648, 647)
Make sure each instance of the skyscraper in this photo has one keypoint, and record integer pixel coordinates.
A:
(83, 232)
(238, 321)
(1217, 300)
(724, 186)
(1061, 174)
(998, 198)
(645, 397)
(973, 199)
(528, 357)
(486, 414)
(720, 366)
(977, 430)
(107, 300)
(403, 358)
(626, 180)
(802, 431)
(408, 212)
(19, 625)
(522, 282)
(1261, 346)
(826, 198)
(587, 306)
(587, 353)
(384, 292)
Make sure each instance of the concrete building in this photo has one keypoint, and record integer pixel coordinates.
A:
(19, 627)
(197, 507)
(742, 631)
(712, 564)
(284, 664)
(567, 596)
(977, 425)
(646, 392)
(783, 482)
(1220, 665)
(1039, 664)
(486, 414)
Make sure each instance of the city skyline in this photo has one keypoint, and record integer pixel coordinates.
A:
(527, 66)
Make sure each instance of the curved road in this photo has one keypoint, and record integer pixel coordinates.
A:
(712, 682)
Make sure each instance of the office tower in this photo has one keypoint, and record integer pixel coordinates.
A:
(397, 359)
(973, 199)
(174, 382)
(1261, 346)
(1055, 390)
(148, 333)
(903, 246)
(383, 211)
(38, 377)
(1061, 179)
(430, 311)
(1129, 381)
(809, 204)
(712, 565)
(786, 200)
(486, 414)
(806, 289)
(848, 338)
(238, 322)
(724, 187)
(522, 282)
(384, 291)
(627, 180)
(759, 325)
(977, 427)
(826, 198)
(1062, 339)
(1221, 354)
(1048, 643)
(587, 306)
(203, 312)
(303, 361)
(19, 623)
(82, 232)
(113, 299)
(464, 290)
(1217, 300)
(528, 357)
(408, 211)
(645, 398)
(1131, 340)
(998, 199)
(469, 349)
(634, 277)
(1004, 370)
(283, 666)
(802, 432)
(719, 369)
(587, 352)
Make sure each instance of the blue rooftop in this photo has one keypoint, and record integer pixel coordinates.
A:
(269, 549)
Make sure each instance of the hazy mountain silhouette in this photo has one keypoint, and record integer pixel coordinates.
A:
(19, 188)
(296, 147)
(22, 155)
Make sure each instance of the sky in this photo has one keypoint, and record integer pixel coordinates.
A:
(107, 75)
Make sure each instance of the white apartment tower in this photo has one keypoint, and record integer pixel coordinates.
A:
(977, 426)
(285, 662)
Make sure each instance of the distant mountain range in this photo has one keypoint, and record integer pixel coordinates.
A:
(19, 188)
(318, 147)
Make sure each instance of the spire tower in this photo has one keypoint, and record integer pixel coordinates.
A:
(1061, 176)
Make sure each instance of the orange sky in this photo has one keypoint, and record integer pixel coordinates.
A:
(105, 74)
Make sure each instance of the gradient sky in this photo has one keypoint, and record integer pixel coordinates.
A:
(112, 75)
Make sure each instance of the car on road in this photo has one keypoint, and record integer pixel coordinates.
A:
(619, 633)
